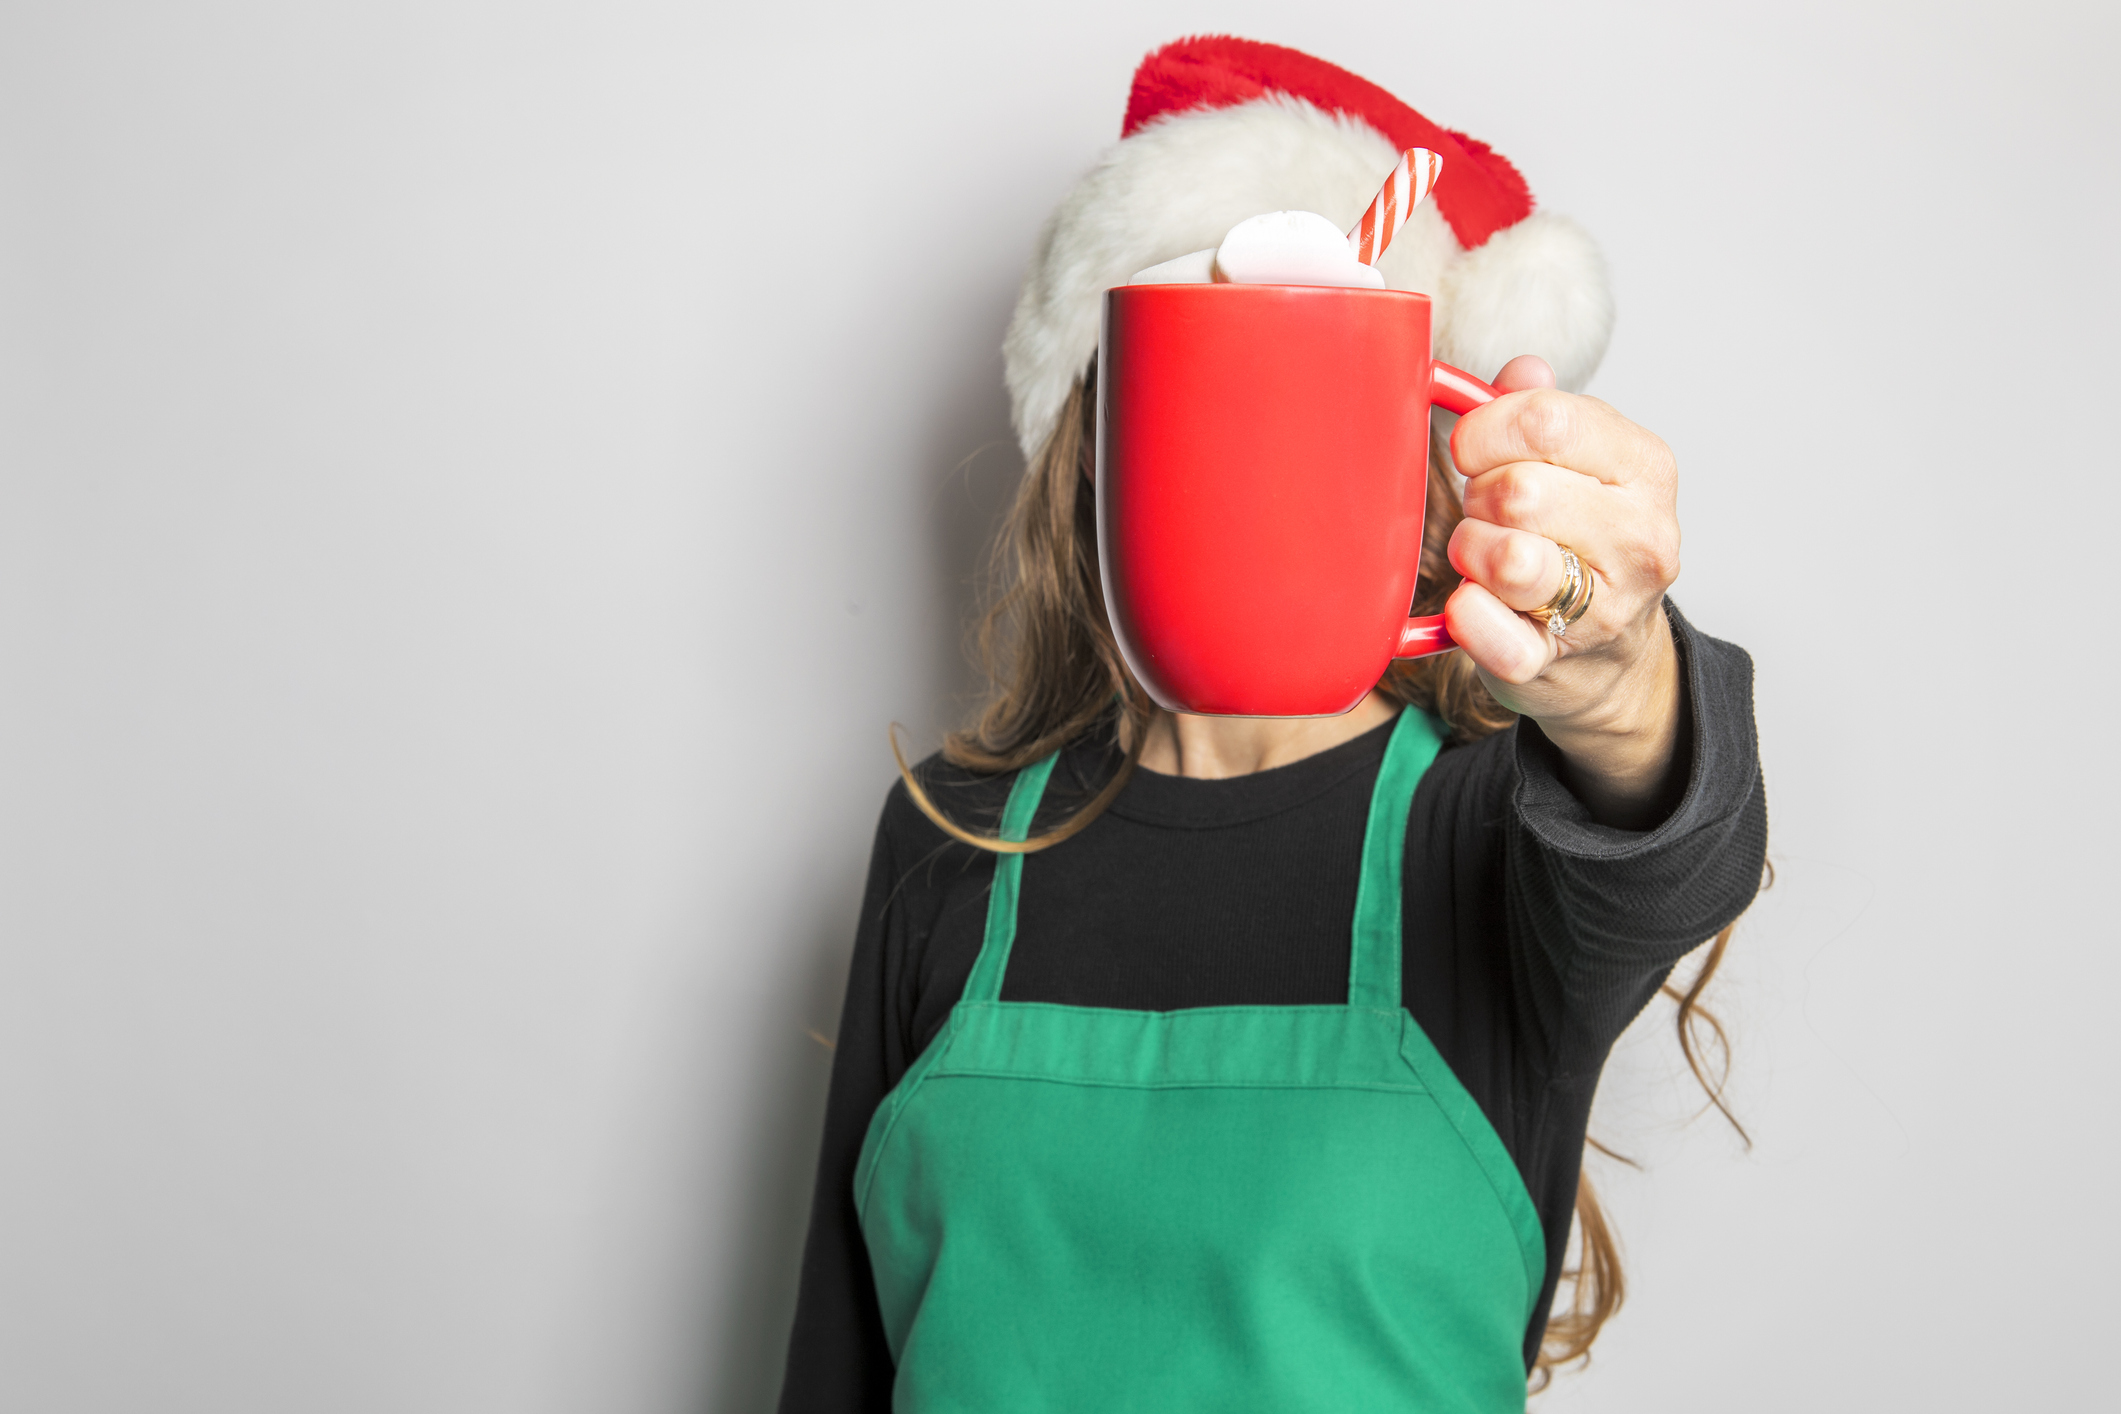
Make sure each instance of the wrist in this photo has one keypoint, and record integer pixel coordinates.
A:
(1621, 746)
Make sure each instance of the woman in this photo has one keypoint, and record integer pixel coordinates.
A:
(1170, 1076)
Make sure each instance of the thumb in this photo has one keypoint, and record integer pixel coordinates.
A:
(1522, 372)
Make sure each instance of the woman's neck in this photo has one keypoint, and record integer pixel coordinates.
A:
(1214, 748)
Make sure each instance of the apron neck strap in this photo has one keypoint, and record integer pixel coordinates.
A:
(1373, 953)
(985, 983)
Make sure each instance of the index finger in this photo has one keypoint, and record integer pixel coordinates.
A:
(1565, 429)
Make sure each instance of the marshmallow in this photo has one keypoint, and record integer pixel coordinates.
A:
(1290, 248)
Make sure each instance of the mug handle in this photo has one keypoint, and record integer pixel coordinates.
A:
(1454, 390)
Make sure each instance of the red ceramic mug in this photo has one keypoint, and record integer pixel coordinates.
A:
(1262, 464)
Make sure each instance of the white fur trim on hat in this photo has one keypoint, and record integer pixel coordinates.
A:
(1183, 181)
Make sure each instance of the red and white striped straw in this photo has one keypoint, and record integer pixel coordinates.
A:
(1411, 180)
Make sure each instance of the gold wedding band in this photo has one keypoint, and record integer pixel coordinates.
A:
(1570, 602)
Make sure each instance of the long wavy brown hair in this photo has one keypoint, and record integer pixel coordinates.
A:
(1055, 674)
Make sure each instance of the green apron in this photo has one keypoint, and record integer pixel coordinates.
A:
(1273, 1208)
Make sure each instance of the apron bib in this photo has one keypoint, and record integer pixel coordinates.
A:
(1274, 1208)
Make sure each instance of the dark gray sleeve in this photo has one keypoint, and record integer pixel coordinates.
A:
(838, 1362)
(1606, 912)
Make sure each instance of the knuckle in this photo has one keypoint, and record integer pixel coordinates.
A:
(1516, 495)
(1663, 464)
(1656, 562)
(1660, 558)
(1651, 463)
(1521, 563)
(1545, 421)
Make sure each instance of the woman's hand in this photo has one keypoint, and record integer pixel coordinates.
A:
(1546, 468)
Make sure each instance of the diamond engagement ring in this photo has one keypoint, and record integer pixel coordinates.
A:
(1570, 602)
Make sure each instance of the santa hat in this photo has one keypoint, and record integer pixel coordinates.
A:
(1219, 129)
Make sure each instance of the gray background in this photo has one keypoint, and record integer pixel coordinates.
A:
(478, 479)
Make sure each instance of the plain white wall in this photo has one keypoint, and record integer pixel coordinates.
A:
(479, 478)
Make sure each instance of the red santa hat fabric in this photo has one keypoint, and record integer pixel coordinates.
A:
(1218, 129)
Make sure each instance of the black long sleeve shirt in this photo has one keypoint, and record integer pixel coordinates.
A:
(1532, 936)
